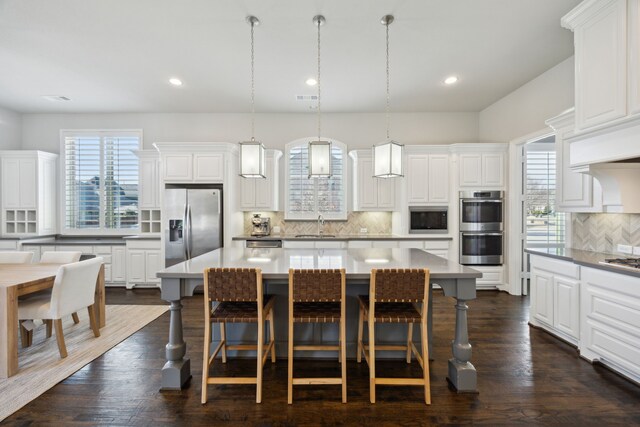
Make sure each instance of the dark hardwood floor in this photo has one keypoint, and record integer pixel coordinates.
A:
(525, 376)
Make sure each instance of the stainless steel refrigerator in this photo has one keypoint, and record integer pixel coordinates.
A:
(192, 216)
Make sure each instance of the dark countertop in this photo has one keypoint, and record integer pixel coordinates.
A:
(25, 237)
(347, 237)
(584, 258)
(76, 241)
(143, 237)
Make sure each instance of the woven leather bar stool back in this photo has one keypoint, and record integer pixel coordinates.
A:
(393, 297)
(238, 293)
(317, 296)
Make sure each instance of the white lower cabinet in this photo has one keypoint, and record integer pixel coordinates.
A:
(144, 260)
(610, 320)
(555, 297)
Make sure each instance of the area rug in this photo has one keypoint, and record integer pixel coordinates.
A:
(41, 366)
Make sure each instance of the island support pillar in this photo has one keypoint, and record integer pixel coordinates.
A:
(177, 369)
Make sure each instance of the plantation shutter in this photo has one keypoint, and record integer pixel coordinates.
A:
(121, 182)
(82, 182)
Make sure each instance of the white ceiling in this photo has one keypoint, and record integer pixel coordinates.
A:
(117, 55)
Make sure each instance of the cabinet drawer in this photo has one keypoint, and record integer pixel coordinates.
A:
(330, 245)
(359, 244)
(385, 244)
(100, 250)
(86, 250)
(564, 268)
(436, 244)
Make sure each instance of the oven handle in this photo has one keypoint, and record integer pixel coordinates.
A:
(481, 234)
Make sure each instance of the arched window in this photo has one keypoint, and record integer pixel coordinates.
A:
(307, 198)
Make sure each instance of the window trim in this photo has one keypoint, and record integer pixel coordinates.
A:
(62, 207)
(341, 216)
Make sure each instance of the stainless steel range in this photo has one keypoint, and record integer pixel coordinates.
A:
(626, 263)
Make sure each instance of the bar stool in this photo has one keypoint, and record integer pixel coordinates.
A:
(392, 297)
(317, 296)
(239, 293)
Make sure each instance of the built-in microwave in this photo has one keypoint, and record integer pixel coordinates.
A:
(428, 219)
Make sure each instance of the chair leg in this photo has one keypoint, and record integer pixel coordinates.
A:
(272, 336)
(49, 325)
(290, 363)
(205, 360)
(92, 321)
(425, 362)
(29, 338)
(372, 361)
(57, 323)
(75, 317)
(223, 340)
(259, 355)
(360, 330)
(343, 356)
(409, 342)
(24, 339)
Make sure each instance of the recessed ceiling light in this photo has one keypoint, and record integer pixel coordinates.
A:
(311, 82)
(175, 82)
(450, 80)
(56, 98)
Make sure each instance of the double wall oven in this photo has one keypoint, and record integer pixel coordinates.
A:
(481, 227)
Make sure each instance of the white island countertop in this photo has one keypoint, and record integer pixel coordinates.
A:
(275, 263)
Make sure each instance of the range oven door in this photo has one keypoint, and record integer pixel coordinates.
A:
(481, 248)
(481, 214)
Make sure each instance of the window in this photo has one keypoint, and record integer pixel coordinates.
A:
(100, 180)
(307, 198)
(544, 226)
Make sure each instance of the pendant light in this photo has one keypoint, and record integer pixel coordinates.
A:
(319, 151)
(252, 159)
(387, 156)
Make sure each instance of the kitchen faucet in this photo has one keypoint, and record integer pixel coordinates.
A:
(320, 225)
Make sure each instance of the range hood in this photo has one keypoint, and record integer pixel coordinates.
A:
(612, 156)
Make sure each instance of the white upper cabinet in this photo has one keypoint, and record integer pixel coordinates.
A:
(427, 178)
(575, 192)
(607, 44)
(481, 169)
(369, 193)
(149, 173)
(194, 162)
(29, 182)
(262, 193)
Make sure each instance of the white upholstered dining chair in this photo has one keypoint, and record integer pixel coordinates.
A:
(15, 257)
(73, 289)
(60, 257)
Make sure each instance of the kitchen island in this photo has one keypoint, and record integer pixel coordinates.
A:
(456, 281)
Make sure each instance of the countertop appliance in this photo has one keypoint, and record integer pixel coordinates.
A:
(428, 219)
(193, 221)
(626, 263)
(481, 225)
(261, 226)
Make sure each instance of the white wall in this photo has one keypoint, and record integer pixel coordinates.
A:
(525, 110)
(42, 131)
(10, 130)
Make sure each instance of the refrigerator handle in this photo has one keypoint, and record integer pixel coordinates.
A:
(216, 194)
(190, 242)
(185, 233)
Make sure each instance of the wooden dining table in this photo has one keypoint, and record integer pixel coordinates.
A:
(17, 280)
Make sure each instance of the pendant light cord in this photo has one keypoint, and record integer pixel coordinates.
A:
(319, 23)
(387, 106)
(253, 107)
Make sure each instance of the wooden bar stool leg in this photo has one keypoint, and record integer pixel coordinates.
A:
(290, 365)
(372, 358)
(259, 355)
(223, 341)
(360, 330)
(57, 323)
(272, 336)
(425, 362)
(205, 358)
(343, 357)
(409, 342)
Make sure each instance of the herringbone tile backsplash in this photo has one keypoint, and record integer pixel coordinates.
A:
(374, 222)
(603, 232)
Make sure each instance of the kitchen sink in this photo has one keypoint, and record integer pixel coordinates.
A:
(317, 236)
